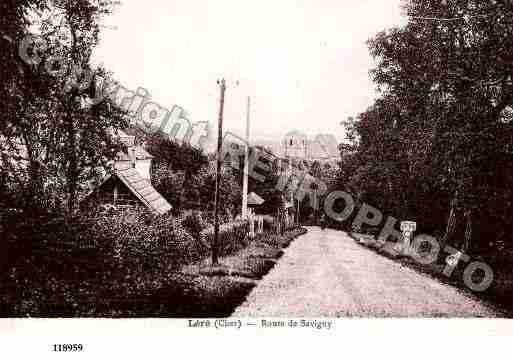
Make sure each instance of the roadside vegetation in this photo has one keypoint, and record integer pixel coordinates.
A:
(498, 296)
(128, 265)
(436, 145)
(57, 141)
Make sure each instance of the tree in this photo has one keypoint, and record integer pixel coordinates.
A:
(171, 158)
(52, 124)
(14, 86)
(446, 87)
(74, 36)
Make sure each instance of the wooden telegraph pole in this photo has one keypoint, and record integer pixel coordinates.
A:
(215, 244)
(298, 222)
(246, 166)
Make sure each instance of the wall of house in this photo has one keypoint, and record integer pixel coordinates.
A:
(114, 192)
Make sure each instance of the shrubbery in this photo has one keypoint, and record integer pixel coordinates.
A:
(281, 241)
(232, 236)
(85, 265)
(130, 242)
(194, 224)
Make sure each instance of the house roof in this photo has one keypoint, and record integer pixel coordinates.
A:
(140, 154)
(254, 199)
(143, 190)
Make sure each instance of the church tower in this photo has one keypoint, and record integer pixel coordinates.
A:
(295, 145)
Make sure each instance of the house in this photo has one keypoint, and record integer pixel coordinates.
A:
(129, 185)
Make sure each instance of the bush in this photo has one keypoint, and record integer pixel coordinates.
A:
(194, 224)
(88, 266)
(232, 237)
(145, 244)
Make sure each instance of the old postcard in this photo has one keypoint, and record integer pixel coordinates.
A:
(255, 167)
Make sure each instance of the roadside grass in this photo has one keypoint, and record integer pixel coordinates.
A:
(252, 262)
(187, 291)
(200, 290)
(182, 296)
(498, 296)
(217, 291)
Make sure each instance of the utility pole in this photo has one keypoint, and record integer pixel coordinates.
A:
(215, 244)
(315, 205)
(246, 165)
(298, 221)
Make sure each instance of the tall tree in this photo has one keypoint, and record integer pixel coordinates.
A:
(64, 136)
(171, 158)
(446, 84)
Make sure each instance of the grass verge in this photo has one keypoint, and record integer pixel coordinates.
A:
(223, 288)
(498, 296)
(193, 291)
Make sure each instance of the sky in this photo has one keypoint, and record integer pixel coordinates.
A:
(305, 64)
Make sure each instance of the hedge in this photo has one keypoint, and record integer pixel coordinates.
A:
(233, 236)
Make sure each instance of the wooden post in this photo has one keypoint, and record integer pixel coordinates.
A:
(215, 244)
(297, 214)
(246, 166)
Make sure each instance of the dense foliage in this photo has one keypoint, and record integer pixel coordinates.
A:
(75, 266)
(436, 145)
(54, 138)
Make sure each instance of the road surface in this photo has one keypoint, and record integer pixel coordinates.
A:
(327, 274)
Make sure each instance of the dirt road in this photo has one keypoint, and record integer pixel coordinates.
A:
(327, 274)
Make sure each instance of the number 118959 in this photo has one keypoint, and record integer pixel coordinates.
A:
(68, 347)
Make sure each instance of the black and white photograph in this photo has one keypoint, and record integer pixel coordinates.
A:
(256, 164)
